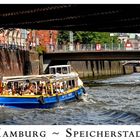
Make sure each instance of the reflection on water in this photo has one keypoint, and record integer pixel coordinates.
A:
(110, 101)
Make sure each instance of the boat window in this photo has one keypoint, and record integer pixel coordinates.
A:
(69, 85)
(76, 82)
(64, 70)
(52, 71)
(73, 83)
(58, 70)
(16, 84)
(9, 85)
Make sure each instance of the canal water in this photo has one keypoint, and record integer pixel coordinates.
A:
(110, 101)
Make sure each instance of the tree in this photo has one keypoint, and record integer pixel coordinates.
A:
(85, 37)
(63, 36)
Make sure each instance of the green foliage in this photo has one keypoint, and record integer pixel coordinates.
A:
(88, 37)
(40, 49)
(63, 37)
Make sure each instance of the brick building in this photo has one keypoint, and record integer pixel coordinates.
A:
(22, 38)
(45, 38)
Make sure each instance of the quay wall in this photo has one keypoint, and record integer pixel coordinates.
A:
(21, 62)
(18, 62)
(100, 68)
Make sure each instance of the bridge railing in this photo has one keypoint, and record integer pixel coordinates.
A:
(75, 48)
(14, 47)
(85, 47)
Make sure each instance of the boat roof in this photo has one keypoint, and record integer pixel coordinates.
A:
(59, 66)
(28, 77)
(49, 77)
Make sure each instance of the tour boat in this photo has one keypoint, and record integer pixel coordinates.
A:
(41, 91)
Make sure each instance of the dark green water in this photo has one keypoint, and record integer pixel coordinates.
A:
(110, 101)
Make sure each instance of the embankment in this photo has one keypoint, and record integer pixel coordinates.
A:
(20, 62)
(100, 68)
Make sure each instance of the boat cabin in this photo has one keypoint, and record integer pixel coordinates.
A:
(37, 85)
(61, 69)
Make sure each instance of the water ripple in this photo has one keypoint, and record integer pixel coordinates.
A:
(110, 101)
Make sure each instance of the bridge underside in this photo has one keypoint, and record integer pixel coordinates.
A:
(83, 56)
(88, 17)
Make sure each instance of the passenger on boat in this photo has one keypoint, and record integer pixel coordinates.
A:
(32, 89)
(10, 91)
(5, 90)
(18, 90)
(44, 90)
(26, 85)
(49, 89)
(39, 89)
(21, 88)
(27, 89)
(61, 87)
(1, 88)
(57, 88)
(43, 84)
(64, 84)
(61, 90)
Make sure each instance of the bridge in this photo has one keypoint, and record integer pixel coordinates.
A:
(74, 17)
(93, 55)
(131, 63)
(56, 58)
